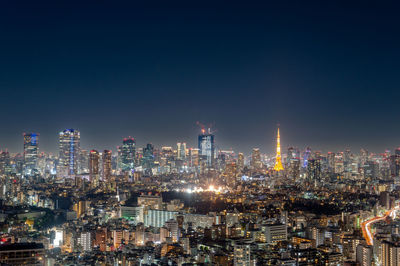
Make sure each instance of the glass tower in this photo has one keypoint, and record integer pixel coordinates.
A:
(128, 153)
(31, 149)
(207, 148)
(69, 146)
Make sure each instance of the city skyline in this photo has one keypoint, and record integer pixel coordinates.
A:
(191, 142)
(232, 133)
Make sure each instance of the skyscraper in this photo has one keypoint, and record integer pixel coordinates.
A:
(314, 170)
(31, 148)
(83, 162)
(94, 160)
(240, 161)
(148, 157)
(278, 163)
(256, 163)
(69, 146)
(181, 151)
(207, 148)
(128, 153)
(107, 169)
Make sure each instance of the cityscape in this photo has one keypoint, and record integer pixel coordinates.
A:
(197, 205)
(228, 133)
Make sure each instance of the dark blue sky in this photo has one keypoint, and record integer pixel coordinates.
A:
(327, 71)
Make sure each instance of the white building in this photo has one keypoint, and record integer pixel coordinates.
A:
(275, 233)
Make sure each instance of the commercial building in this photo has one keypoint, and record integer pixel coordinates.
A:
(69, 148)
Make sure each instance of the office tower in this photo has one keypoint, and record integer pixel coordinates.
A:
(331, 161)
(181, 151)
(83, 162)
(69, 146)
(193, 157)
(371, 169)
(294, 168)
(31, 148)
(278, 161)
(4, 162)
(148, 157)
(256, 164)
(306, 156)
(94, 173)
(339, 163)
(107, 169)
(394, 162)
(128, 154)
(240, 162)
(364, 154)
(241, 253)
(231, 173)
(314, 170)
(207, 148)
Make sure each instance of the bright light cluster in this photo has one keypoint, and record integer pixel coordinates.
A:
(211, 188)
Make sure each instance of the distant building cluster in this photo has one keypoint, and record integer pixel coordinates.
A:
(198, 205)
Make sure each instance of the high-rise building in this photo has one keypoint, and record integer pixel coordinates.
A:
(181, 151)
(364, 255)
(240, 161)
(306, 156)
(128, 153)
(394, 164)
(331, 161)
(294, 168)
(31, 148)
(241, 253)
(85, 241)
(83, 162)
(5, 164)
(207, 148)
(339, 163)
(94, 173)
(193, 157)
(107, 169)
(148, 157)
(390, 254)
(278, 161)
(256, 164)
(314, 170)
(69, 146)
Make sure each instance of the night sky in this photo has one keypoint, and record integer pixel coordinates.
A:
(327, 71)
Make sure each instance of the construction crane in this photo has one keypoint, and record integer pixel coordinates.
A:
(205, 128)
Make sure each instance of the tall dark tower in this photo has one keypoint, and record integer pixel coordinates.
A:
(31, 150)
(128, 153)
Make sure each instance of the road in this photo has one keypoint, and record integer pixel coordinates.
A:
(366, 225)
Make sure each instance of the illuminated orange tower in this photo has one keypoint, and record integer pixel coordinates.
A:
(278, 163)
